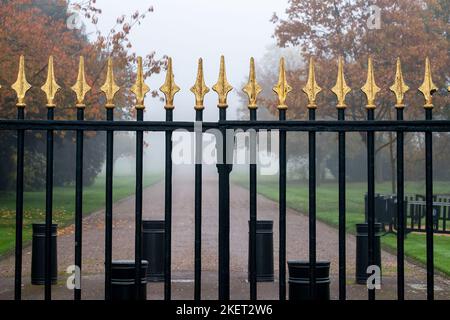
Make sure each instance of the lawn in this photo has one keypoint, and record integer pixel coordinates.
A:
(327, 211)
(63, 206)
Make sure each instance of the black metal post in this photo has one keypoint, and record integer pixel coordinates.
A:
(342, 208)
(49, 209)
(198, 209)
(312, 205)
(168, 210)
(253, 208)
(400, 212)
(79, 201)
(282, 217)
(138, 205)
(19, 208)
(224, 169)
(429, 206)
(371, 195)
(109, 204)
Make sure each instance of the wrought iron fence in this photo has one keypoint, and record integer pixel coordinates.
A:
(222, 87)
(416, 217)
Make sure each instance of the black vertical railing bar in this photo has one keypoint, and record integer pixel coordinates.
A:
(342, 208)
(253, 207)
(198, 209)
(19, 208)
(168, 211)
(109, 204)
(400, 211)
(282, 208)
(138, 203)
(371, 196)
(429, 205)
(224, 169)
(79, 201)
(312, 205)
(49, 209)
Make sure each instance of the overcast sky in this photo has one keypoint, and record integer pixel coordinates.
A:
(189, 29)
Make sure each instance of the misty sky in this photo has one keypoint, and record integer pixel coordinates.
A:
(189, 29)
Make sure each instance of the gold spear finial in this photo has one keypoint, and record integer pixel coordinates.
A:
(199, 89)
(21, 86)
(222, 87)
(282, 88)
(370, 88)
(169, 88)
(341, 89)
(50, 87)
(81, 87)
(428, 87)
(110, 88)
(140, 89)
(252, 89)
(399, 87)
(312, 89)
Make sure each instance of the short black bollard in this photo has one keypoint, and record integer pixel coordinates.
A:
(362, 250)
(38, 255)
(264, 251)
(299, 280)
(153, 249)
(123, 275)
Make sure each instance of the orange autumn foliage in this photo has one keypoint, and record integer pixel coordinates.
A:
(38, 30)
(410, 29)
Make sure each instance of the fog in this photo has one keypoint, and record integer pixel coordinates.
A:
(185, 31)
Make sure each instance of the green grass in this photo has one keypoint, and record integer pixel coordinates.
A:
(63, 206)
(327, 211)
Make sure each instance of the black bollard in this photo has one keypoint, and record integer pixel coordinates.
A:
(123, 274)
(38, 255)
(153, 246)
(362, 250)
(299, 280)
(264, 252)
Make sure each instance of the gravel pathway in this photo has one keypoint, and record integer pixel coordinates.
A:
(183, 249)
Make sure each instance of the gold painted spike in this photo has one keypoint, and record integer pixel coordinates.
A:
(252, 89)
(282, 88)
(312, 89)
(110, 88)
(199, 89)
(50, 87)
(370, 88)
(341, 89)
(140, 89)
(21, 86)
(169, 88)
(222, 87)
(399, 87)
(81, 87)
(428, 87)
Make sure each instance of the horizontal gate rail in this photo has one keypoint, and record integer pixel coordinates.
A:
(290, 125)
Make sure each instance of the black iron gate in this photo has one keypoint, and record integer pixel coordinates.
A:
(312, 126)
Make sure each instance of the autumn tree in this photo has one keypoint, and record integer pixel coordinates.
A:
(38, 29)
(327, 29)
